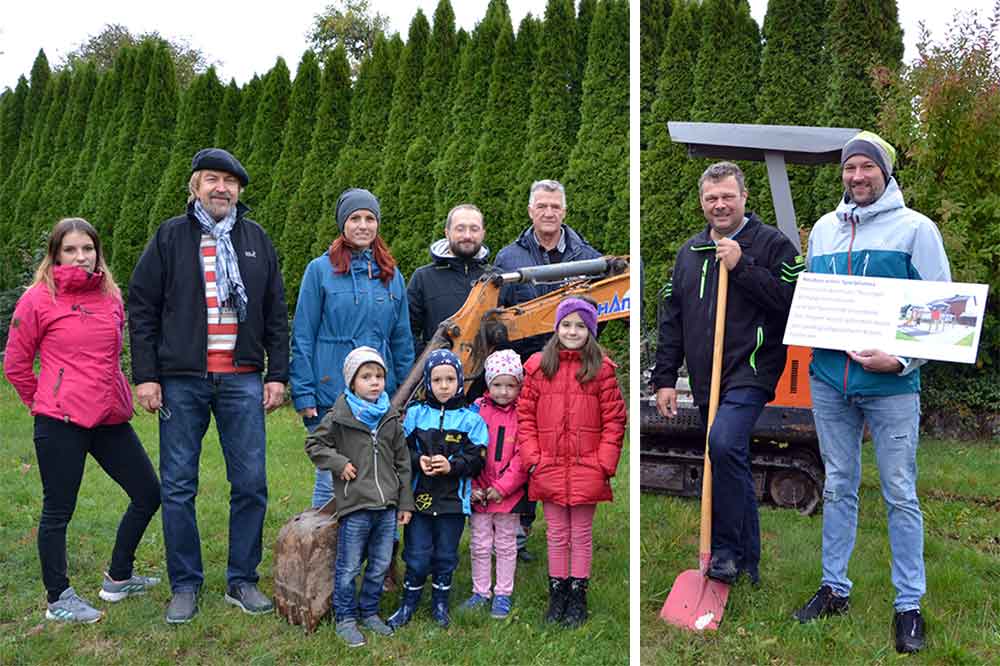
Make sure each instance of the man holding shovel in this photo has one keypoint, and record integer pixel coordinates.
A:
(763, 266)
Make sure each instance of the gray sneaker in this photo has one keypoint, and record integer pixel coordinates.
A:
(112, 591)
(375, 624)
(348, 632)
(250, 599)
(183, 607)
(71, 608)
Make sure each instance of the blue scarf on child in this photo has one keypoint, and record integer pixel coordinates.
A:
(369, 413)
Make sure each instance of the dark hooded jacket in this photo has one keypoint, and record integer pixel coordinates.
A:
(438, 290)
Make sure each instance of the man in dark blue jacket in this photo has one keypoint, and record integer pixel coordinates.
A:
(207, 317)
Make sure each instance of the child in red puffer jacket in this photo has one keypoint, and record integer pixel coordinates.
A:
(498, 493)
(571, 423)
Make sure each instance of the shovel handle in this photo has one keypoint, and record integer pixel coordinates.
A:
(705, 536)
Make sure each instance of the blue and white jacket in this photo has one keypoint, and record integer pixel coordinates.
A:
(458, 434)
(338, 312)
(884, 239)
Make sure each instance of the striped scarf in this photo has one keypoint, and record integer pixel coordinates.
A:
(231, 292)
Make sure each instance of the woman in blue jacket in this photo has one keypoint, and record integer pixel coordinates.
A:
(353, 295)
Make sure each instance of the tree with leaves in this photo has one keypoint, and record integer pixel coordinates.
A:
(195, 128)
(595, 175)
(151, 156)
(295, 145)
(268, 131)
(350, 24)
(306, 208)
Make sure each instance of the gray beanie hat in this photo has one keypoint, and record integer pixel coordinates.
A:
(872, 146)
(356, 199)
(356, 359)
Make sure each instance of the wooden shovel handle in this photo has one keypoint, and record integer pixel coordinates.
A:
(705, 537)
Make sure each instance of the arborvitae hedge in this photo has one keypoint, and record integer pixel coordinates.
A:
(10, 126)
(228, 119)
(295, 145)
(249, 100)
(416, 196)
(268, 130)
(654, 17)
(440, 67)
(150, 158)
(195, 130)
(102, 107)
(306, 207)
(595, 174)
(402, 121)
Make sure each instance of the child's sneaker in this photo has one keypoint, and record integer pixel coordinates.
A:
(375, 624)
(71, 608)
(475, 602)
(112, 591)
(348, 632)
(501, 607)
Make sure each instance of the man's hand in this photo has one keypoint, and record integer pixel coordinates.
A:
(149, 396)
(350, 472)
(425, 465)
(403, 517)
(728, 252)
(493, 495)
(666, 401)
(308, 412)
(441, 464)
(274, 396)
(876, 360)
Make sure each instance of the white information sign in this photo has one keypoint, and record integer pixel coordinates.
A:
(916, 318)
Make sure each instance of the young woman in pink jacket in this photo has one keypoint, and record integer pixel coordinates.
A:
(499, 493)
(72, 319)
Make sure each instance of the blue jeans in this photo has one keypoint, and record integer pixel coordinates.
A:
(735, 520)
(894, 424)
(323, 486)
(365, 533)
(430, 546)
(236, 401)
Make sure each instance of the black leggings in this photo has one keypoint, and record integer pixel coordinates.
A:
(62, 450)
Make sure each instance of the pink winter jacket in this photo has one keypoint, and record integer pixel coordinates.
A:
(503, 468)
(78, 336)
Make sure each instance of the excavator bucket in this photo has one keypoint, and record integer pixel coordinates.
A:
(695, 602)
(304, 556)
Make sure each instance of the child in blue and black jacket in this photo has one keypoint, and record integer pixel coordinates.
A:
(447, 442)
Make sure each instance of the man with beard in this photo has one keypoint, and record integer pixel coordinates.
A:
(439, 289)
(763, 267)
(207, 316)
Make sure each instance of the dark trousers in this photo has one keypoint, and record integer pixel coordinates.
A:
(430, 546)
(62, 450)
(735, 522)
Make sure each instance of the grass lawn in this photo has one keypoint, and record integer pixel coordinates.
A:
(134, 632)
(960, 495)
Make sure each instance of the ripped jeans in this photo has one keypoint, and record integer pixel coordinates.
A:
(894, 423)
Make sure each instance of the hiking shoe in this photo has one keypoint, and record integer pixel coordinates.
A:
(475, 602)
(112, 591)
(909, 629)
(822, 604)
(183, 607)
(375, 624)
(71, 608)
(723, 570)
(348, 632)
(501, 607)
(249, 599)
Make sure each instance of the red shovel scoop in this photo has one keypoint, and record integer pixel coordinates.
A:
(697, 602)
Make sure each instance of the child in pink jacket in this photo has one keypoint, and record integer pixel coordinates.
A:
(498, 493)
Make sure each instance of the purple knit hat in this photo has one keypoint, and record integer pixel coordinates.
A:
(588, 313)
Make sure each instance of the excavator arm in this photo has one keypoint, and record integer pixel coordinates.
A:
(481, 324)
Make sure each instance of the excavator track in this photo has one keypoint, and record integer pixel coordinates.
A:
(785, 460)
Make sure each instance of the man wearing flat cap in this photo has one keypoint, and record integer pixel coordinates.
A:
(207, 317)
(871, 233)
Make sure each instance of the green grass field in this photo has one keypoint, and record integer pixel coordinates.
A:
(134, 632)
(960, 494)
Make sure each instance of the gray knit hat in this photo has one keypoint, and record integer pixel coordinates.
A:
(356, 199)
(356, 359)
(872, 146)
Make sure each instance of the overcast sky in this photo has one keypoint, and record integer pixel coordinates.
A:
(246, 38)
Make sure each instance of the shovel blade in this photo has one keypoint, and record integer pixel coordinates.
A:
(695, 602)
